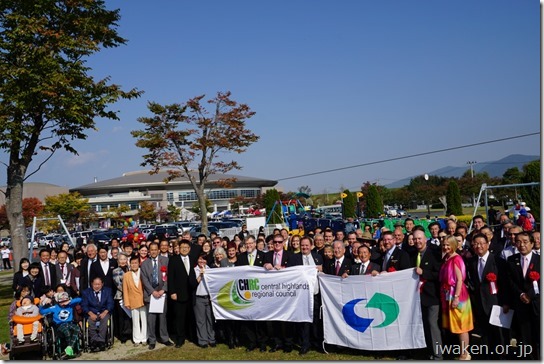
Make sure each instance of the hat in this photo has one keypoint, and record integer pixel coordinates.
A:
(523, 212)
(62, 297)
(367, 236)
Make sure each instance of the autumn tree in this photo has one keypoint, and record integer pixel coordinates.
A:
(190, 141)
(72, 207)
(48, 97)
(116, 213)
(173, 212)
(453, 199)
(147, 212)
(32, 207)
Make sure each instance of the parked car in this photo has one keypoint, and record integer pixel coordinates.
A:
(100, 238)
(197, 230)
(164, 232)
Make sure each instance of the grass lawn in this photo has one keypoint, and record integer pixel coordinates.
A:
(6, 298)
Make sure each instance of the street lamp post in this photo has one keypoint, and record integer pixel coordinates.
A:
(471, 163)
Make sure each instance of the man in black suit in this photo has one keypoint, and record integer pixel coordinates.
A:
(394, 259)
(253, 331)
(277, 259)
(63, 270)
(339, 264)
(47, 269)
(366, 267)
(427, 266)
(495, 247)
(482, 269)
(523, 276)
(103, 268)
(180, 273)
(85, 268)
(311, 334)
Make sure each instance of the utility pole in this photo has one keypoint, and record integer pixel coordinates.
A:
(471, 163)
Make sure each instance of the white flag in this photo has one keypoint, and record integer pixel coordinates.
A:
(254, 293)
(373, 313)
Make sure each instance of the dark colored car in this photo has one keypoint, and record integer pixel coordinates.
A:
(100, 238)
(163, 232)
(197, 230)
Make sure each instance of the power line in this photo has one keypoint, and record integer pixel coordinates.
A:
(410, 156)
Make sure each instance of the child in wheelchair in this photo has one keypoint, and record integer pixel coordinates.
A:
(29, 314)
(63, 321)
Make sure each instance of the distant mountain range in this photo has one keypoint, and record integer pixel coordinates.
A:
(494, 168)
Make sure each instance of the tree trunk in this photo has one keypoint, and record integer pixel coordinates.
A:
(14, 210)
(203, 209)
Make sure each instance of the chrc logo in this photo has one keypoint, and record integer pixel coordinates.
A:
(236, 294)
(385, 303)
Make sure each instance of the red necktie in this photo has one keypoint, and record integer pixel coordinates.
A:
(337, 267)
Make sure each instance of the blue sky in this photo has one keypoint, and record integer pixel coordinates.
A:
(333, 84)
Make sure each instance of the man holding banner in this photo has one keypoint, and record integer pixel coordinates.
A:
(311, 333)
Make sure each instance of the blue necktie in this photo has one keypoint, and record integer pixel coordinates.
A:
(155, 273)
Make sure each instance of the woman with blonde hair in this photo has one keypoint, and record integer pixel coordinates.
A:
(456, 308)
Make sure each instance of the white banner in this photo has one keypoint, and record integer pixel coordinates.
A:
(373, 313)
(254, 293)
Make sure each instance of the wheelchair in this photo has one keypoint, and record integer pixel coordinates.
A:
(17, 348)
(54, 346)
(109, 333)
(39, 345)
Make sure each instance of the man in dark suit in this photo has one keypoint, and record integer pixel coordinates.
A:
(394, 259)
(339, 264)
(366, 267)
(85, 268)
(253, 331)
(180, 272)
(311, 334)
(427, 266)
(47, 269)
(97, 305)
(524, 281)
(63, 270)
(154, 285)
(275, 260)
(103, 268)
(483, 293)
(495, 247)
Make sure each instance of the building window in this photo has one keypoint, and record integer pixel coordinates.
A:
(158, 196)
(222, 194)
(187, 196)
(250, 193)
(169, 196)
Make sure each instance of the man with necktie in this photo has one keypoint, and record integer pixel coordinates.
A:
(63, 269)
(311, 333)
(366, 266)
(281, 332)
(524, 281)
(156, 286)
(339, 264)
(85, 268)
(180, 273)
(47, 270)
(253, 331)
(97, 304)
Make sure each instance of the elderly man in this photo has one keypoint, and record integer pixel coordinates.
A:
(85, 268)
(97, 304)
(340, 264)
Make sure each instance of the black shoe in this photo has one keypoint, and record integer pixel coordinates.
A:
(287, 349)
(168, 343)
(213, 345)
(274, 349)
(123, 341)
(250, 348)
(151, 346)
(231, 345)
(303, 351)
(95, 349)
(203, 346)
(102, 347)
(262, 349)
(179, 345)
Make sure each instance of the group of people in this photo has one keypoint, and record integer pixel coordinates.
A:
(156, 291)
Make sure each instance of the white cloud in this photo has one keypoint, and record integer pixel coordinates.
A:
(116, 129)
(85, 158)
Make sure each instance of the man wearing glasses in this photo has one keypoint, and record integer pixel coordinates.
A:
(394, 259)
(510, 248)
(277, 259)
